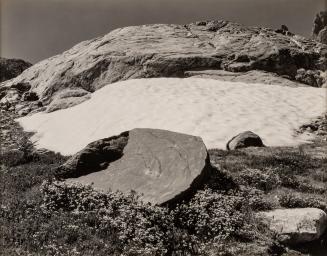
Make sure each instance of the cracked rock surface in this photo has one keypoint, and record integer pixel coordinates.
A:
(162, 50)
(163, 166)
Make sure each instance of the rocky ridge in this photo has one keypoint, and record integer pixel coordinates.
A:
(162, 50)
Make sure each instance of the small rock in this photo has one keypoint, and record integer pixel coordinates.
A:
(244, 140)
(299, 225)
(284, 31)
(201, 23)
(214, 26)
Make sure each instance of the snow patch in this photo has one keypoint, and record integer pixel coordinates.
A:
(214, 110)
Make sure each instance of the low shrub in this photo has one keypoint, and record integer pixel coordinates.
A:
(266, 179)
(293, 200)
(143, 229)
(135, 227)
(256, 198)
(212, 215)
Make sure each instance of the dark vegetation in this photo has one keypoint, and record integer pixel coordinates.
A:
(10, 68)
(40, 215)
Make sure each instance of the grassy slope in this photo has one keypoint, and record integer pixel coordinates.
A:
(287, 177)
(278, 171)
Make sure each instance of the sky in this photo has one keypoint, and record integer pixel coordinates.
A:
(34, 30)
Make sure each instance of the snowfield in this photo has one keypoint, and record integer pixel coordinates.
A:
(214, 110)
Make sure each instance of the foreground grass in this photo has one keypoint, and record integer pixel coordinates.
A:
(42, 216)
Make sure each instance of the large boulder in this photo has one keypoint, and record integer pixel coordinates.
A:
(295, 226)
(244, 140)
(161, 50)
(164, 167)
(10, 68)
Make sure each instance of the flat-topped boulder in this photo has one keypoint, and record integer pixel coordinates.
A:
(295, 226)
(163, 166)
(163, 50)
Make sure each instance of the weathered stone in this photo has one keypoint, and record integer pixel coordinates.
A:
(317, 126)
(322, 36)
(10, 68)
(320, 23)
(68, 93)
(68, 98)
(24, 111)
(311, 77)
(161, 50)
(12, 96)
(244, 140)
(63, 103)
(284, 31)
(253, 76)
(95, 156)
(22, 108)
(294, 226)
(163, 166)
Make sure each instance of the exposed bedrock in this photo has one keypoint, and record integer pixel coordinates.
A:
(162, 50)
